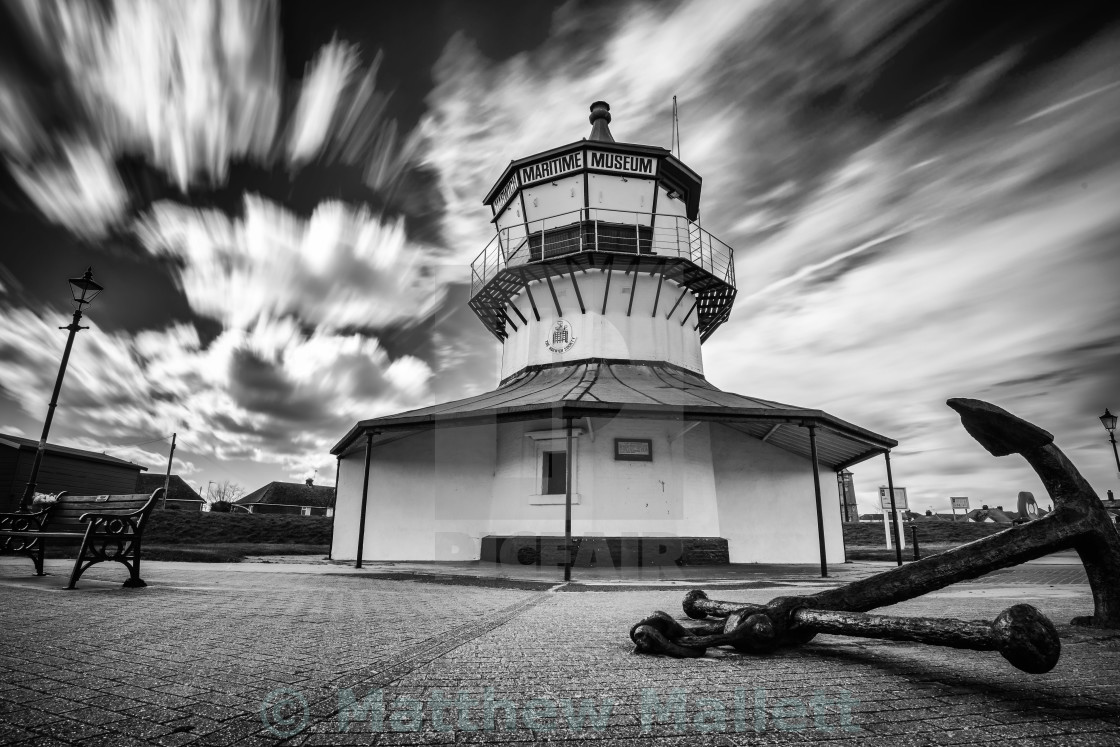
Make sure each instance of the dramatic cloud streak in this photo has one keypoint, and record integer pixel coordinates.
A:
(190, 85)
(343, 267)
(903, 232)
(271, 393)
(191, 90)
(963, 250)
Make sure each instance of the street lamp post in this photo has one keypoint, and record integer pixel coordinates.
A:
(84, 290)
(1108, 420)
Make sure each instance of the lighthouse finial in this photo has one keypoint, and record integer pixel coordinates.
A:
(600, 118)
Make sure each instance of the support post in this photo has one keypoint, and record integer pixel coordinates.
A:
(365, 500)
(568, 501)
(167, 476)
(894, 511)
(817, 493)
(334, 504)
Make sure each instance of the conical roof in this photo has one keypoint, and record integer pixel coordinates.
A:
(600, 118)
(632, 389)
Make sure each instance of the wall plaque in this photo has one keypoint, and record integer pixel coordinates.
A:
(633, 449)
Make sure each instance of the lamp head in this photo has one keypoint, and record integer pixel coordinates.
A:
(1108, 420)
(85, 289)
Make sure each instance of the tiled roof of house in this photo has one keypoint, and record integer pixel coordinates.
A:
(290, 494)
(178, 489)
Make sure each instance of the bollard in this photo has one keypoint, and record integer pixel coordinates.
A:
(914, 540)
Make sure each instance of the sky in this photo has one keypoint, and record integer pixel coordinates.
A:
(283, 201)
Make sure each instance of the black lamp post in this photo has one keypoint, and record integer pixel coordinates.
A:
(1108, 420)
(84, 290)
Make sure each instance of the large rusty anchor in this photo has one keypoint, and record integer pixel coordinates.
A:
(1024, 636)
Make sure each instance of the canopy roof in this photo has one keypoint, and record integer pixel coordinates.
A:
(634, 389)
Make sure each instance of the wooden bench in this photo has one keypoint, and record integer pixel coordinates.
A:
(109, 526)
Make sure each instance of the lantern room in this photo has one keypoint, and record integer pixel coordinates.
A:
(574, 221)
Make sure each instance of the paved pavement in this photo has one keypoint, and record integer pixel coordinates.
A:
(321, 655)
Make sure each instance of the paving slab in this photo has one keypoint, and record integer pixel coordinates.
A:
(320, 654)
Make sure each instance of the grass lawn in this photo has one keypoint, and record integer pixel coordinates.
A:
(223, 538)
(227, 552)
(866, 540)
(880, 552)
(197, 528)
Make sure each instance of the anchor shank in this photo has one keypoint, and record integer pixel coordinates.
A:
(1013, 546)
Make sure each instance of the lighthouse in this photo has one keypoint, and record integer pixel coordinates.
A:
(603, 443)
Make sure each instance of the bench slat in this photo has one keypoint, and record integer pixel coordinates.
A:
(142, 497)
(102, 507)
(66, 514)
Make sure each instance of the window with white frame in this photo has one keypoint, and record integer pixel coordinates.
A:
(550, 464)
(554, 473)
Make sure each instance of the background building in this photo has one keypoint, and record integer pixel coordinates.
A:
(74, 470)
(305, 499)
(180, 495)
(849, 508)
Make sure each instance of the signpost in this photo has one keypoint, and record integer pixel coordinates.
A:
(900, 505)
(960, 502)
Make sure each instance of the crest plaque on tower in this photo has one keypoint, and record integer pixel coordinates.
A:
(560, 338)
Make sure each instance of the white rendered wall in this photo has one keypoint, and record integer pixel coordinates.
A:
(434, 495)
(675, 494)
(613, 335)
(560, 200)
(767, 507)
(347, 509)
(426, 495)
(620, 199)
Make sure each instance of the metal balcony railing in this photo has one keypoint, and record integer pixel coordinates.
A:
(601, 230)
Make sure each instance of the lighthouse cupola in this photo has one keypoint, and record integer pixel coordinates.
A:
(598, 255)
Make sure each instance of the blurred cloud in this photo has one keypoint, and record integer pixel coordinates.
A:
(273, 392)
(190, 85)
(80, 191)
(903, 233)
(342, 267)
(322, 89)
(960, 249)
(192, 88)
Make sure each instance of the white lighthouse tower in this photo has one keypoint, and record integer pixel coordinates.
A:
(603, 442)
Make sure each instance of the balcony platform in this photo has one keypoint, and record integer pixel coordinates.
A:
(672, 247)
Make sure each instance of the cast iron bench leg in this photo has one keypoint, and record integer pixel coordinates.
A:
(134, 581)
(78, 569)
(37, 557)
